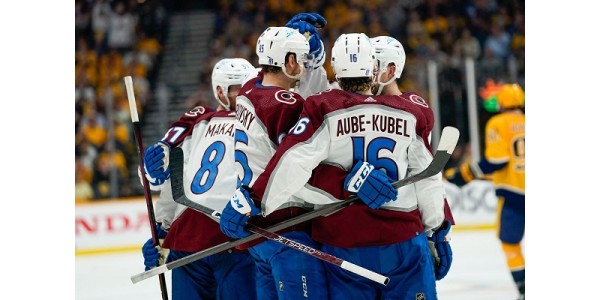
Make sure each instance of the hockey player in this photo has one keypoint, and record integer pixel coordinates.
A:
(266, 110)
(504, 160)
(363, 133)
(390, 59)
(207, 139)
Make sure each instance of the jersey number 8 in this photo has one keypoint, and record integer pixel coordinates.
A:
(210, 163)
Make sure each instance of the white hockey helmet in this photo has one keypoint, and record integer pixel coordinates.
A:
(276, 42)
(388, 50)
(353, 56)
(231, 71)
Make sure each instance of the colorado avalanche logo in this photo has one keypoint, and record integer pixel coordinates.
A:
(285, 97)
(418, 100)
(198, 110)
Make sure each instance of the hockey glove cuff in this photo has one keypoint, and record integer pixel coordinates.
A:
(440, 249)
(156, 163)
(464, 174)
(155, 255)
(236, 213)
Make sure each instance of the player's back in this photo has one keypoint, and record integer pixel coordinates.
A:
(209, 178)
(210, 161)
(378, 129)
(505, 142)
(264, 116)
(341, 128)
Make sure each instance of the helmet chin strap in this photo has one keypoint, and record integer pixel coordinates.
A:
(382, 84)
(225, 106)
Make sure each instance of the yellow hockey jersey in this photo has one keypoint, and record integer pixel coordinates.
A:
(505, 143)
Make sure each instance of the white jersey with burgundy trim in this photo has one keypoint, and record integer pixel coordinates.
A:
(209, 179)
(341, 128)
(264, 116)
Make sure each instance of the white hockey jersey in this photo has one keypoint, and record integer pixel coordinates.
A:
(341, 128)
(209, 179)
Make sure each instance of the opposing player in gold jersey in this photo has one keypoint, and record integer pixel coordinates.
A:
(504, 161)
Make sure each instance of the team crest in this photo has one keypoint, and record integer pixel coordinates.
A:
(420, 296)
(285, 97)
(418, 100)
(198, 110)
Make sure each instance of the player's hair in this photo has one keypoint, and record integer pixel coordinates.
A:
(275, 69)
(355, 84)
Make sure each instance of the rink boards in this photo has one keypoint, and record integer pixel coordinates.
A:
(122, 225)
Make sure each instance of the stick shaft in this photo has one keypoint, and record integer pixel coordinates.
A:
(177, 187)
(443, 153)
(146, 185)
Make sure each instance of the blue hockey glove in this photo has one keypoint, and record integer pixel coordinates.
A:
(373, 187)
(314, 19)
(236, 213)
(154, 255)
(441, 253)
(156, 163)
(314, 41)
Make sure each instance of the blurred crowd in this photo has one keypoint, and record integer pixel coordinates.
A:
(119, 38)
(492, 32)
(113, 39)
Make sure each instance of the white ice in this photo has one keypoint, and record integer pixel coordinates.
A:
(478, 272)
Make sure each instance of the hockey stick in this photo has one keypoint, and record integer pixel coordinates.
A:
(176, 164)
(446, 145)
(138, 136)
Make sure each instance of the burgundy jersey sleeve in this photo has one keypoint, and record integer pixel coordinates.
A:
(324, 177)
(425, 127)
(330, 179)
(426, 121)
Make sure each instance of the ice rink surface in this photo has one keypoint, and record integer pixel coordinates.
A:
(478, 272)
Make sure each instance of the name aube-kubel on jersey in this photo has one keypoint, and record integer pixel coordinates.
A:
(374, 122)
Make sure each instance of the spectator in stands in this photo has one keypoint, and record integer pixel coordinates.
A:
(83, 18)
(101, 12)
(83, 177)
(498, 42)
(469, 46)
(121, 29)
(93, 128)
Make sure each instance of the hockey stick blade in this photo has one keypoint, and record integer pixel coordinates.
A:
(443, 153)
(446, 146)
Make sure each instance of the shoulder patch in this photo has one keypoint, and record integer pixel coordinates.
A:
(418, 100)
(194, 112)
(285, 97)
